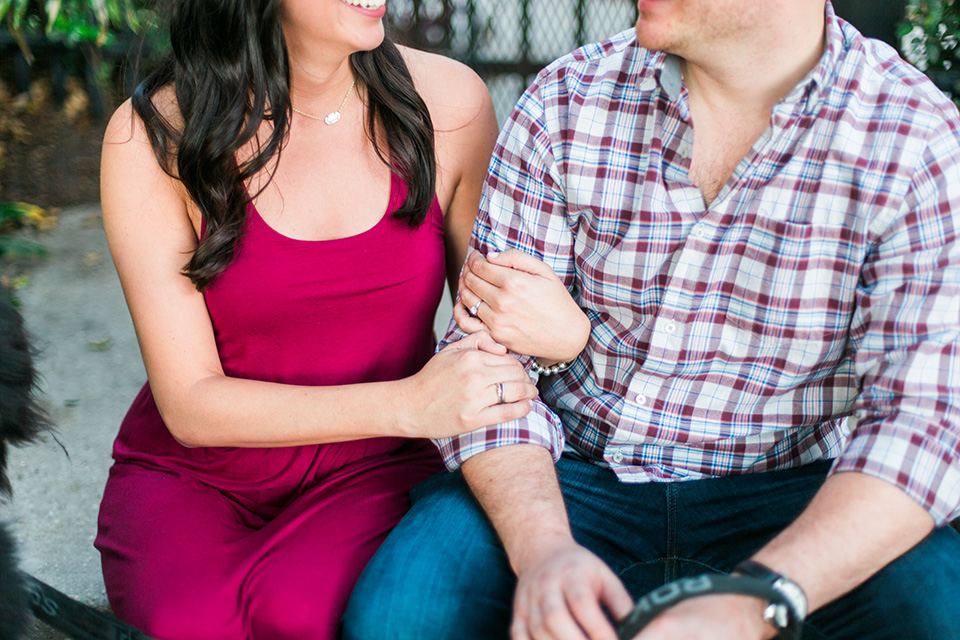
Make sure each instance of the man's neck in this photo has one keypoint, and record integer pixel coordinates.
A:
(732, 96)
(747, 79)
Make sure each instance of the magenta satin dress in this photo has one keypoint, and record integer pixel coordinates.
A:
(210, 543)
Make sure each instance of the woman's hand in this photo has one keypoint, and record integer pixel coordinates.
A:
(470, 384)
(523, 304)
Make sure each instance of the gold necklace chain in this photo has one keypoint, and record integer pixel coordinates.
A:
(333, 117)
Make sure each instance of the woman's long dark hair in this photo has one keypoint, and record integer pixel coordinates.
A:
(229, 69)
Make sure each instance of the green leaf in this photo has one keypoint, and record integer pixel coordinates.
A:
(115, 10)
(100, 10)
(53, 11)
(17, 212)
(903, 28)
(4, 5)
(133, 18)
(933, 53)
(15, 246)
(935, 10)
(103, 344)
(19, 10)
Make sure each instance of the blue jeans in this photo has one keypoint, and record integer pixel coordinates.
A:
(442, 573)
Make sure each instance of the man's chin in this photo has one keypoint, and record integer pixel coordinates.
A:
(652, 38)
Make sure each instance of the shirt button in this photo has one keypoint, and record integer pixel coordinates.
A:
(618, 457)
(670, 327)
(860, 413)
(641, 399)
(700, 231)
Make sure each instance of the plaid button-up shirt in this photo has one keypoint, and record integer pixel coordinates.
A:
(811, 311)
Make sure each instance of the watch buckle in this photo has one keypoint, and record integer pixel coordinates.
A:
(777, 614)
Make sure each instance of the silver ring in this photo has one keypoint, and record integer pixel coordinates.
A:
(500, 399)
(475, 308)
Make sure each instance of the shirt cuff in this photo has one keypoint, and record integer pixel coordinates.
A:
(541, 426)
(921, 465)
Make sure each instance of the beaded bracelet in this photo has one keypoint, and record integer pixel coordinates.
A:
(552, 369)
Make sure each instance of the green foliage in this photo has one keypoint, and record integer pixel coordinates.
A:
(929, 34)
(13, 215)
(75, 21)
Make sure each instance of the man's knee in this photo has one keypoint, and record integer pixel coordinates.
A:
(440, 574)
(915, 597)
(446, 606)
(924, 585)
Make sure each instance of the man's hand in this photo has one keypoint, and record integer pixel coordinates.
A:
(719, 617)
(562, 588)
(561, 593)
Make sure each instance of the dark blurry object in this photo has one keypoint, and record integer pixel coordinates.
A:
(21, 421)
(874, 18)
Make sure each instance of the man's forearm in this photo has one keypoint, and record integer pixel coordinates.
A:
(855, 525)
(517, 487)
(563, 590)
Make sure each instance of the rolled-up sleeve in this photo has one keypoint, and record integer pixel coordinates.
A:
(522, 207)
(906, 335)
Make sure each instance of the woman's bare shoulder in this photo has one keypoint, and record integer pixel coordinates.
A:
(454, 93)
(126, 124)
(128, 155)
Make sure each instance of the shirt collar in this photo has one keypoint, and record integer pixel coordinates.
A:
(671, 76)
(812, 90)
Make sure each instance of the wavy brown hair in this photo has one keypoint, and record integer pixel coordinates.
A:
(229, 70)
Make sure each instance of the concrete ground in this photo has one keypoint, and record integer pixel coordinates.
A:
(91, 370)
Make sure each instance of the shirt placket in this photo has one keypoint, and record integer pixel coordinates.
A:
(654, 387)
(666, 337)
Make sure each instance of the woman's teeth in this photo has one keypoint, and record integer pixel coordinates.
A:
(366, 4)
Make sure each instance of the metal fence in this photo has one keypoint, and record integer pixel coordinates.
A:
(507, 41)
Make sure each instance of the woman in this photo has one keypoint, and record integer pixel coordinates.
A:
(282, 199)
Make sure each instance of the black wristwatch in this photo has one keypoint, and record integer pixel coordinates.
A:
(788, 614)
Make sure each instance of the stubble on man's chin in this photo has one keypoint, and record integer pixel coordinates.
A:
(653, 41)
(659, 33)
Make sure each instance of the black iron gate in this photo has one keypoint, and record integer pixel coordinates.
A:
(507, 41)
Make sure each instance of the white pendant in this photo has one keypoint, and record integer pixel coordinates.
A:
(332, 118)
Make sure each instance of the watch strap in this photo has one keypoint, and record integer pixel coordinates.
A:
(652, 604)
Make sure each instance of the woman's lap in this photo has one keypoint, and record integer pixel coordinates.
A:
(157, 568)
(181, 559)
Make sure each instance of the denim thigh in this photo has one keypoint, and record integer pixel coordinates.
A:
(654, 533)
(651, 533)
(917, 596)
(440, 574)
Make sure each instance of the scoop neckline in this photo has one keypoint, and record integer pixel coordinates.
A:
(391, 207)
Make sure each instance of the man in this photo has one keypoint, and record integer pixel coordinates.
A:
(773, 369)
